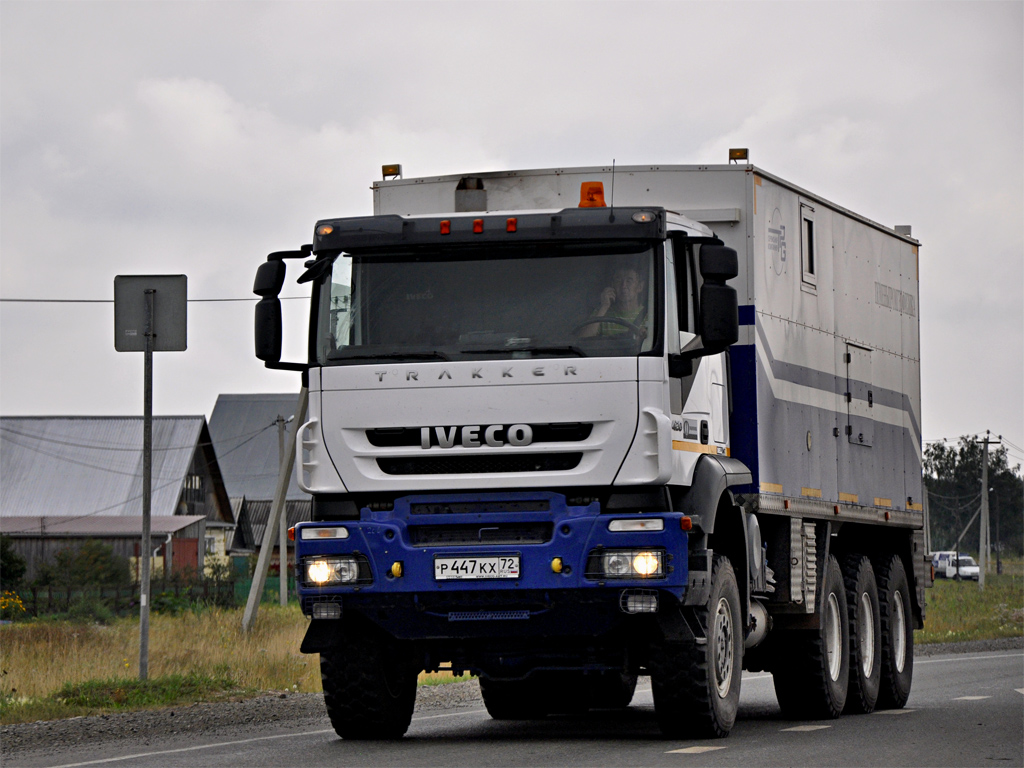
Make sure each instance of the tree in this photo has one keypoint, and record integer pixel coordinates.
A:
(952, 474)
(92, 564)
(12, 565)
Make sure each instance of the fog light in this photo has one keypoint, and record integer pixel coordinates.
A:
(326, 610)
(639, 601)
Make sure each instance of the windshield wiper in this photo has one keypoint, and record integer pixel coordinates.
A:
(341, 355)
(565, 349)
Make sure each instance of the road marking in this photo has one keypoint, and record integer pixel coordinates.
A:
(242, 741)
(970, 658)
(894, 711)
(1020, 690)
(971, 698)
(692, 750)
(805, 728)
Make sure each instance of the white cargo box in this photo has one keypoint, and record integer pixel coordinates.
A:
(826, 388)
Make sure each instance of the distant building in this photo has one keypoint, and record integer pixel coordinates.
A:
(245, 435)
(64, 480)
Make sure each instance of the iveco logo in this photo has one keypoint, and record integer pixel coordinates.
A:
(496, 435)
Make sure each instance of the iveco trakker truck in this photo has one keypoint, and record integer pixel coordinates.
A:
(571, 426)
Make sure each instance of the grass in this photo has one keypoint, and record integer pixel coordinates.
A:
(959, 610)
(46, 666)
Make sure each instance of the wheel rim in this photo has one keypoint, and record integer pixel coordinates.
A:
(899, 631)
(723, 648)
(833, 637)
(866, 631)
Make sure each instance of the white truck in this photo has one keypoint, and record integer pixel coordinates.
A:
(571, 426)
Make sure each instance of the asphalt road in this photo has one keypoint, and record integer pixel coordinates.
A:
(964, 710)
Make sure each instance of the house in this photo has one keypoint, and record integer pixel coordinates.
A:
(247, 432)
(67, 479)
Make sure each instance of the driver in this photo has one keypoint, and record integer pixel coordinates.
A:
(621, 300)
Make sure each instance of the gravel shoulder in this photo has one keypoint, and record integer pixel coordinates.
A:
(273, 711)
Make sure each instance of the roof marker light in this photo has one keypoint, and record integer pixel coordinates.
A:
(478, 226)
(511, 225)
(641, 217)
(324, 229)
(592, 194)
(446, 227)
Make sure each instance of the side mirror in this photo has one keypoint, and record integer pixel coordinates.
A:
(719, 305)
(268, 329)
(269, 279)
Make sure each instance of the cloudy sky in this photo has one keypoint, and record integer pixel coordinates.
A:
(195, 137)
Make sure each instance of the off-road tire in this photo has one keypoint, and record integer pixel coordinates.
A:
(696, 687)
(897, 634)
(865, 634)
(610, 690)
(369, 686)
(515, 699)
(810, 682)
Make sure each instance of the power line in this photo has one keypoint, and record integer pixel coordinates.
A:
(111, 301)
(136, 449)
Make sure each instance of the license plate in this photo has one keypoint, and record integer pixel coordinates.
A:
(492, 567)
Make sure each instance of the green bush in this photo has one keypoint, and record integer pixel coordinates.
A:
(12, 565)
(86, 608)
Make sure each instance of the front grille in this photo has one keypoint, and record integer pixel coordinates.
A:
(467, 507)
(410, 437)
(467, 465)
(496, 533)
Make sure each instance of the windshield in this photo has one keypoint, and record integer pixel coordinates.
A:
(965, 560)
(568, 300)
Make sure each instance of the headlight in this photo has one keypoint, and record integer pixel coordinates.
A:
(343, 569)
(626, 564)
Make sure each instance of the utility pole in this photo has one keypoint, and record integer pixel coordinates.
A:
(259, 577)
(282, 533)
(985, 537)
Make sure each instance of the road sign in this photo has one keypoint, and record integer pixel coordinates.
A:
(170, 309)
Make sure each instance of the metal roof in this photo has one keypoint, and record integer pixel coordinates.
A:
(244, 436)
(92, 466)
(259, 514)
(52, 526)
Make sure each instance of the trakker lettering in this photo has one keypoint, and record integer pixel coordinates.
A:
(473, 436)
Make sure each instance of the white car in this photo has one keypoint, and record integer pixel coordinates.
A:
(946, 566)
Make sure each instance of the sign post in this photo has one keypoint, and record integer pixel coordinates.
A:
(149, 303)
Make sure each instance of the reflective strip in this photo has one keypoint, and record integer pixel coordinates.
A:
(681, 445)
(883, 502)
(915, 506)
(851, 498)
(814, 493)
(771, 488)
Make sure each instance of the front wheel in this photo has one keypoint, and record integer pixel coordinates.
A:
(697, 687)
(369, 686)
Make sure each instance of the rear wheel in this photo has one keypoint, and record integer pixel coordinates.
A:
(697, 687)
(369, 686)
(812, 669)
(865, 634)
(897, 635)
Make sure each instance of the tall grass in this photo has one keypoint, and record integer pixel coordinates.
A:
(39, 657)
(959, 610)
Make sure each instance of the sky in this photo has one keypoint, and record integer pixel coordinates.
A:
(195, 137)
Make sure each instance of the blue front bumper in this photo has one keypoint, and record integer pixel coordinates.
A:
(552, 540)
